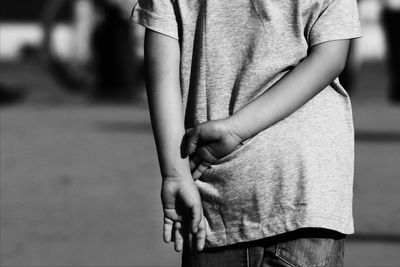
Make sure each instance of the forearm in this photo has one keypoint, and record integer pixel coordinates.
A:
(311, 76)
(163, 92)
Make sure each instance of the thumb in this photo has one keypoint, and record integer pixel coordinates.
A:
(192, 140)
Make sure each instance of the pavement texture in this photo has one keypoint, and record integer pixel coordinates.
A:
(80, 182)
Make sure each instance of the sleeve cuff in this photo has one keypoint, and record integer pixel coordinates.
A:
(335, 34)
(155, 23)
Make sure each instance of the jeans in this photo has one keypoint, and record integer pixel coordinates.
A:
(309, 247)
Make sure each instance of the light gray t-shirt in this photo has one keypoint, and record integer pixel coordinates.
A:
(297, 173)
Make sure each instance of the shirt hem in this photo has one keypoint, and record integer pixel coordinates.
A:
(219, 239)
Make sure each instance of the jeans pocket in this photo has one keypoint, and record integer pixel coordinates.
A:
(306, 252)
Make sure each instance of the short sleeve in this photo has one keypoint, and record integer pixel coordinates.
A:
(157, 15)
(338, 20)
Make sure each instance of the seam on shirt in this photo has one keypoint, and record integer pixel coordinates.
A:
(323, 9)
(225, 225)
(255, 8)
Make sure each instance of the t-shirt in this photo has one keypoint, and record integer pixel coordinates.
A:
(297, 173)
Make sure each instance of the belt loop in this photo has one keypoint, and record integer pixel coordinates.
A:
(247, 257)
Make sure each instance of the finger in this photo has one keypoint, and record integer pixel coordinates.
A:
(201, 168)
(190, 241)
(201, 235)
(172, 214)
(197, 215)
(194, 162)
(183, 146)
(192, 140)
(205, 154)
(167, 230)
(178, 236)
(187, 131)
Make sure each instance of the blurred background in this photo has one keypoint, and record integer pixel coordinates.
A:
(79, 175)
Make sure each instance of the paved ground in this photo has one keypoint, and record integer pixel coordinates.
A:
(80, 183)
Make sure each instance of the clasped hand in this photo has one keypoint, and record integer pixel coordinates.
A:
(208, 142)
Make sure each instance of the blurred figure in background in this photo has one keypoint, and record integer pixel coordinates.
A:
(391, 22)
(388, 13)
(103, 64)
(113, 55)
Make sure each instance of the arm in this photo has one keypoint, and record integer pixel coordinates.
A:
(212, 140)
(162, 60)
(324, 63)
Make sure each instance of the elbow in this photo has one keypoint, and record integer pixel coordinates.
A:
(339, 66)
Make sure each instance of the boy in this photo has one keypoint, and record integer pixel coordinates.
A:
(248, 90)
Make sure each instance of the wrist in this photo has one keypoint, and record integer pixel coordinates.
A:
(177, 173)
(237, 128)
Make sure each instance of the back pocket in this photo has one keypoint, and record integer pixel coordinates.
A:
(306, 252)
